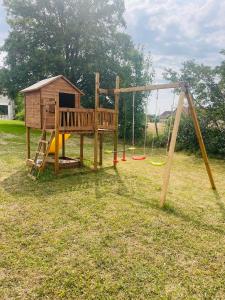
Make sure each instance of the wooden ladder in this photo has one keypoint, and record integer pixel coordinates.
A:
(41, 155)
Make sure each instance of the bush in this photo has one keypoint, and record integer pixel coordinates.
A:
(214, 137)
(20, 115)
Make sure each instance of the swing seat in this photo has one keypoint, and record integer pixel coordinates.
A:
(131, 148)
(108, 151)
(158, 163)
(138, 157)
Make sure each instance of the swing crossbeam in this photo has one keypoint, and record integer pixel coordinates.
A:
(144, 88)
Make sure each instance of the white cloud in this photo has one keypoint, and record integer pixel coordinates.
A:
(177, 30)
(184, 26)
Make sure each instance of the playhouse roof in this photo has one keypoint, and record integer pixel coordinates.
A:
(38, 85)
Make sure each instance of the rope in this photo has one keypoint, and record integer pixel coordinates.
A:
(133, 121)
(125, 124)
(146, 123)
(156, 107)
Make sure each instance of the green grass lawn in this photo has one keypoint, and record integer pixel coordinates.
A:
(103, 235)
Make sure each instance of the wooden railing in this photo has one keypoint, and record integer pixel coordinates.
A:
(82, 119)
(76, 119)
(106, 118)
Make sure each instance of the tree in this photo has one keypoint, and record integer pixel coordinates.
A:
(207, 85)
(72, 37)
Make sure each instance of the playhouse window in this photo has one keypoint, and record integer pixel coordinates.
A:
(66, 100)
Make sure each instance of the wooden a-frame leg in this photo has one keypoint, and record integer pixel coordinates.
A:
(200, 138)
(167, 171)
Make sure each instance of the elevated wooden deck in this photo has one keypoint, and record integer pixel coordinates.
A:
(86, 120)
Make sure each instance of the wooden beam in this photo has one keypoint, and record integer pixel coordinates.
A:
(167, 171)
(115, 158)
(97, 76)
(103, 91)
(200, 138)
(96, 150)
(63, 145)
(106, 91)
(96, 121)
(57, 134)
(28, 141)
(149, 87)
(100, 148)
(81, 149)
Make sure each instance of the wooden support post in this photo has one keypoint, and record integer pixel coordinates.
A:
(100, 148)
(44, 145)
(57, 135)
(81, 149)
(96, 121)
(28, 141)
(171, 150)
(63, 145)
(199, 137)
(115, 158)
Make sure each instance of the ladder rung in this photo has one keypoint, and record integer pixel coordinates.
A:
(43, 141)
(39, 152)
(30, 161)
(33, 163)
(37, 165)
(31, 176)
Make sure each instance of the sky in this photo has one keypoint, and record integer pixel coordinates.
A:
(173, 31)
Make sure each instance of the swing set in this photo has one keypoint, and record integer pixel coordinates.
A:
(133, 147)
(173, 127)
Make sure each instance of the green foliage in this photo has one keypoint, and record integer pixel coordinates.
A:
(76, 39)
(20, 115)
(208, 89)
(214, 139)
(20, 106)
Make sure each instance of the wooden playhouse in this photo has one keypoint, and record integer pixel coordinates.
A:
(53, 106)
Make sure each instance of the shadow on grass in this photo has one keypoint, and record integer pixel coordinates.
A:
(170, 210)
(220, 204)
(103, 181)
